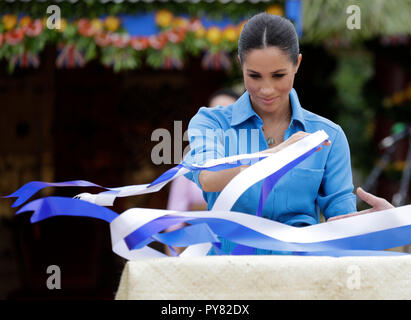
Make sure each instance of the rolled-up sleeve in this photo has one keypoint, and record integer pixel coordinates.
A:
(205, 137)
(336, 191)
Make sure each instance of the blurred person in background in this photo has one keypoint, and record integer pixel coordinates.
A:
(223, 97)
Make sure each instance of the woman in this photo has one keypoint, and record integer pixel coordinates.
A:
(268, 52)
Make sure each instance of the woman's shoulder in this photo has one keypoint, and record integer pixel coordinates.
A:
(218, 111)
(221, 115)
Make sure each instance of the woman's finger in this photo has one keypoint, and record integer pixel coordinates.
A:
(327, 143)
(376, 202)
(368, 197)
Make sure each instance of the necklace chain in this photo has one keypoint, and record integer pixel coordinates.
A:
(271, 140)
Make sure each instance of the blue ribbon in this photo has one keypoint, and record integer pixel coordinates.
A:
(267, 187)
(247, 237)
(271, 180)
(29, 189)
(195, 234)
(61, 206)
(144, 235)
(240, 250)
(167, 175)
(208, 229)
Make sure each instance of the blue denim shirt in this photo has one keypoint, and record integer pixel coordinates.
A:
(321, 182)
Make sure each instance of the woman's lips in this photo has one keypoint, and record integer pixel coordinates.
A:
(268, 100)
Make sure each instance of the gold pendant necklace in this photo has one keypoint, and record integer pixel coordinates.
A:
(270, 140)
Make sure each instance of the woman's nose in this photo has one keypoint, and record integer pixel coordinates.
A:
(266, 91)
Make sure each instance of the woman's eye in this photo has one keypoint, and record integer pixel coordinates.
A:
(256, 76)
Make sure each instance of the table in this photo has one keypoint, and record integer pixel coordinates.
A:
(266, 278)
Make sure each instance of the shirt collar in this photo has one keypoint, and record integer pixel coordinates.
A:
(243, 110)
(297, 109)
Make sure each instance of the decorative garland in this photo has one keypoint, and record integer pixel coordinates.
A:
(323, 21)
(22, 38)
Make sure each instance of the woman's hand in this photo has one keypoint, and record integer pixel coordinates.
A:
(377, 204)
(293, 139)
(215, 181)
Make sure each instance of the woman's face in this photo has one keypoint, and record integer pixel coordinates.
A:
(269, 77)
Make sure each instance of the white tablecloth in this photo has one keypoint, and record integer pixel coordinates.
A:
(266, 277)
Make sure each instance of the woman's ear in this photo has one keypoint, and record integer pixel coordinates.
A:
(238, 59)
(300, 57)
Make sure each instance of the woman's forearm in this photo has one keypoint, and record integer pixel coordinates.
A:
(215, 181)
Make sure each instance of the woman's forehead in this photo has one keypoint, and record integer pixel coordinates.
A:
(267, 58)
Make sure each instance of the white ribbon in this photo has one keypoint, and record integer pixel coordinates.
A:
(352, 226)
(360, 231)
(131, 219)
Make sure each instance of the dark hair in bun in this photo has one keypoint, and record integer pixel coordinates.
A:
(266, 30)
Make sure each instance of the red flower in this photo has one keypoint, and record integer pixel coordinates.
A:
(176, 35)
(34, 28)
(103, 39)
(158, 42)
(139, 43)
(1, 39)
(120, 40)
(194, 25)
(85, 27)
(14, 37)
